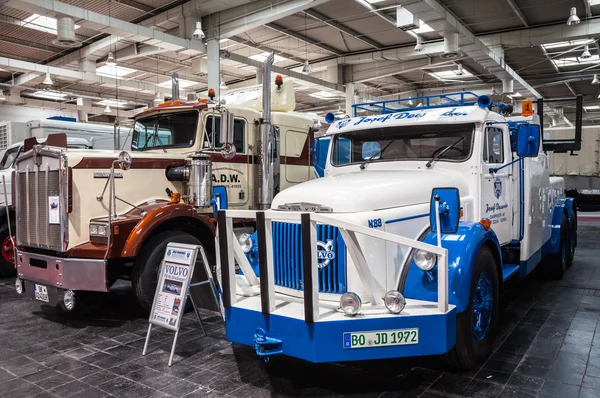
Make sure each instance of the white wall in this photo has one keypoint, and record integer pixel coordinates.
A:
(587, 161)
(13, 113)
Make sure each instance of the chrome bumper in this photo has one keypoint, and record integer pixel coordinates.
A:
(62, 273)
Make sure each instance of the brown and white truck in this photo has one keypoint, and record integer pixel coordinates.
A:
(88, 218)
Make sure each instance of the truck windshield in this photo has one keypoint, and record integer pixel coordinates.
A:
(167, 130)
(402, 143)
(9, 157)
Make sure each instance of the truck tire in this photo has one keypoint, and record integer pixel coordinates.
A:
(572, 238)
(557, 263)
(144, 276)
(7, 259)
(475, 325)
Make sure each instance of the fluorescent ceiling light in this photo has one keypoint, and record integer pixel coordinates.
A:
(515, 95)
(374, 1)
(592, 107)
(41, 23)
(568, 43)
(263, 56)
(593, 2)
(575, 61)
(54, 95)
(450, 74)
(325, 95)
(115, 103)
(182, 83)
(114, 71)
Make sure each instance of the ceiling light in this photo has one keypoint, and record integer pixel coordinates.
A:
(116, 72)
(110, 61)
(595, 79)
(107, 109)
(459, 70)
(410, 102)
(306, 68)
(223, 86)
(573, 18)
(586, 52)
(592, 108)
(53, 95)
(198, 33)
(262, 57)
(48, 80)
(419, 46)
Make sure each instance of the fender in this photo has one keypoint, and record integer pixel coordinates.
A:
(157, 214)
(562, 206)
(463, 247)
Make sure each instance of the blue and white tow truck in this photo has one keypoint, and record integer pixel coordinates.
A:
(402, 248)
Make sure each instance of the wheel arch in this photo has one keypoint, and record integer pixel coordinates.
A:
(463, 248)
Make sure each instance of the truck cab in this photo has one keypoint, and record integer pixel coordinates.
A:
(439, 204)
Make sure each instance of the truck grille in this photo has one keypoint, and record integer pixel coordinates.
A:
(35, 186)
(287, 253)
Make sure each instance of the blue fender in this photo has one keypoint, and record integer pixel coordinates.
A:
(562, 205)
(570, 205)
(463, 247)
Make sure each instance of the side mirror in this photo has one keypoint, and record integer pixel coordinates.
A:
(219, 200)
(446, 202)
(226, 132)
(528, 140)
(124, 160)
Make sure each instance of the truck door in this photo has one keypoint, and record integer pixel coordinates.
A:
(496, 189)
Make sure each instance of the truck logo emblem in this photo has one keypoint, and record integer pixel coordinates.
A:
(325, 253)
(104, 174)
(497, 188)
(343, 123)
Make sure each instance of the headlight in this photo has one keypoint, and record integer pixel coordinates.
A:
(394, 301)
(350, 303)
(98, 229)
(19, 286)
(245, 242)
(424, 260)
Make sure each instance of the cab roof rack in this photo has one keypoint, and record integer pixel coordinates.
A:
(464, 98)
(562, 145)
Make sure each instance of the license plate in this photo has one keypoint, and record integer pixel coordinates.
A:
(381, 338)
(41, 292)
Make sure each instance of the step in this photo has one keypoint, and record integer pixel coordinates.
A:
(509, 270)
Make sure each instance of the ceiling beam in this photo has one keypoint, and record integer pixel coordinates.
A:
(365, 72)
(265, 47)
(305, 39)
(518, 12)
(237, 20)
(343, 28)
(136, 5)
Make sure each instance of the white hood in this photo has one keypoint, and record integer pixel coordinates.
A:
(370, 190)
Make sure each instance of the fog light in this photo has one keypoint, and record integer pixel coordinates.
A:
(69, 300)
(245, 242)
(394, 301)
(350, 303)
(19, 286)
(424, 260)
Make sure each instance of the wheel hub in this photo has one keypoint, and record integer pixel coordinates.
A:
(483, 305)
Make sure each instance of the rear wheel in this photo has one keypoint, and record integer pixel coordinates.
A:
(557, 263)
(7, 260)
(475, 325)
(572, 238)
(144, 275)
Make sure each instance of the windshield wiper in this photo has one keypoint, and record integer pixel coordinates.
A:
(374, 156)
(437, 156)
(156, 137)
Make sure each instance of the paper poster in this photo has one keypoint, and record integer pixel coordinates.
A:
(53, 210)
(173, 284)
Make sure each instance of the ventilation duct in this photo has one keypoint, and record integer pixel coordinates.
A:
(508, 86)
(451, 46)
(65, 33)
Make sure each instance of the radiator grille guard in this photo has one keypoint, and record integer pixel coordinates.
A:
(41, 179)
(287, 255)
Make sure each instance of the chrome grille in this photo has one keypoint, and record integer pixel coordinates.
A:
(36, 182)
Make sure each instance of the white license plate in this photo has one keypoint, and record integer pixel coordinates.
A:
(41, 293)
(381, 338)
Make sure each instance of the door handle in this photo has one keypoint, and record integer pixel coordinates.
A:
(497, 175)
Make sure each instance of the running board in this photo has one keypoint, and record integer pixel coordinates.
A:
(509, 270)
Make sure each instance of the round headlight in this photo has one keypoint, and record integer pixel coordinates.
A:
(245, 242)
(350, 303)
(69, 300)
(424, 260)
(19, 286)
(394, 301)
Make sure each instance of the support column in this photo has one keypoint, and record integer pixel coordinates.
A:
(214, 78)
(84, 103)
(349, 99)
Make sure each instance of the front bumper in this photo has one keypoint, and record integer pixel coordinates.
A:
(62, 273)
(323, 341)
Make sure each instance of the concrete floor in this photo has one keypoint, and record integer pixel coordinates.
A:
(547, 346)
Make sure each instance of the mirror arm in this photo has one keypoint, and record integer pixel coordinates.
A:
(494, 170)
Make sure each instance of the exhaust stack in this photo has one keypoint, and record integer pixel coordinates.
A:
(268, 176)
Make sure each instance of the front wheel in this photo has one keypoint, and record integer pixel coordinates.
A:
(144, 275)
(7, 260)
(475, 325)
(557, 263)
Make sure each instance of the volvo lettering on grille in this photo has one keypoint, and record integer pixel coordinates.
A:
(325, 253)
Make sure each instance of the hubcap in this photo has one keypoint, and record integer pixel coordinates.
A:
(8, 252)
(483, 304)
